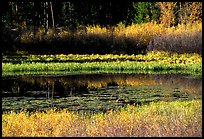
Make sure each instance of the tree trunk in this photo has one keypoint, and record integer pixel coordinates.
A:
(46, 25)
(16, 11)
(53, 20)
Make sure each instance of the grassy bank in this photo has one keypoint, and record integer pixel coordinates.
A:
(156, 119)
(152, 61)
(94, 66)
(133, 39)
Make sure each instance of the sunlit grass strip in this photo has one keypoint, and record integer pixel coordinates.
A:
(152, 61)
(150, 56)
(198, 74)
(93, 66)
(157, 119)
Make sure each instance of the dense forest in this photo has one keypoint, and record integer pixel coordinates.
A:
(43, 23)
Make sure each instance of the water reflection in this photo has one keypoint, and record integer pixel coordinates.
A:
(95, 91)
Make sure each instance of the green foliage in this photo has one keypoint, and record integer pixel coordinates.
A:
(140, 12)
(153, 61)
(153, 11)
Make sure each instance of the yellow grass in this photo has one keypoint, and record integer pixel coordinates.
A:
(156, 119)
(136, 37)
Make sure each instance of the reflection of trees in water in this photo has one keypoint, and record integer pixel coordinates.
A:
(71, 84)
(189, 85)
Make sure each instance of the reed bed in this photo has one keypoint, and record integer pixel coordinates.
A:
(158, 119)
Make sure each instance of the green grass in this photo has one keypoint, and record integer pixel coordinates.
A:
(153, 61)
(94, 66)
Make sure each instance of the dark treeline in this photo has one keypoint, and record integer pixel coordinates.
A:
(19, 17)
(76, 13)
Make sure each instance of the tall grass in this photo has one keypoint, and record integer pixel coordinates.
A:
(133, 39)
(159, 119)
(183, 39)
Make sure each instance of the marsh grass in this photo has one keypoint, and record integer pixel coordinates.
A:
(150, 56)
(152, 61)
(95, 66)
(174, 119)
(133, 39)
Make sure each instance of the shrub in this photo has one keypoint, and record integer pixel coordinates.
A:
(133, 39)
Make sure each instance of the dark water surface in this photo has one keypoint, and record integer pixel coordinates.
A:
(95, 92)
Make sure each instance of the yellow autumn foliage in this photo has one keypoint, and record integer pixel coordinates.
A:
(156, 119)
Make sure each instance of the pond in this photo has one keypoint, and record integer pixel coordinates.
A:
(97, 92)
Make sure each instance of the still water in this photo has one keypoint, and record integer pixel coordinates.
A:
(95, 92)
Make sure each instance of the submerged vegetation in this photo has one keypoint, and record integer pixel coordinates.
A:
(95, 92)
(156, 119)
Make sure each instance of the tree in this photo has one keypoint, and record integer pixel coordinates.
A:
(190, 12)
(153, 11)
(167, 16)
